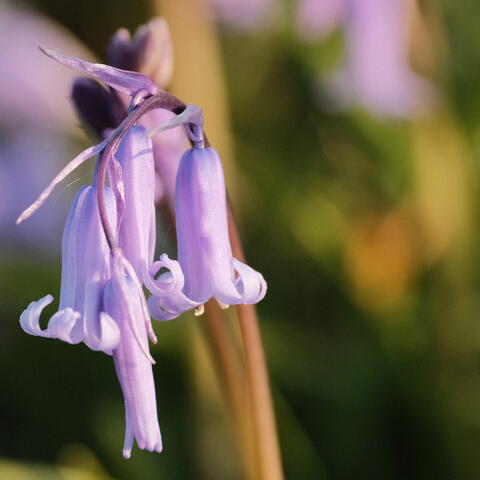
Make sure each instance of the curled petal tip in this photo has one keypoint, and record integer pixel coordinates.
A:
(30, 317)
(63, 325)
(199, 310)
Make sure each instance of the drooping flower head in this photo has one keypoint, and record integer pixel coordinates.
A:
(85, 271)
(204, 250)
(109, 239)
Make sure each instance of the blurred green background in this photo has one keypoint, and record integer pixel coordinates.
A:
(366, 231)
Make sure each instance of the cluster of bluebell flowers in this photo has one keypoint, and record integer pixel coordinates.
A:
(108, 243)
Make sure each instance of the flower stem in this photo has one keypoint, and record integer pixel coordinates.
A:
(268, 460)
(226, 359)
(232, 380)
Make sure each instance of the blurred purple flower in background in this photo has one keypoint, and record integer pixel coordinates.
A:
(29, 86)
(376, 73)
(38, 152)
(35, 129)
(318, 18)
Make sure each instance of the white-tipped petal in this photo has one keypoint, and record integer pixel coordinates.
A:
(64, 325)
(250, 283)
(167, 282)
(30, 317)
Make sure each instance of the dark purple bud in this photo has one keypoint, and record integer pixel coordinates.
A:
(149, 51)
(119, 51)
(98, 108)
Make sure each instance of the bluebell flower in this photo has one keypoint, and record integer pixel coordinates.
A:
(102, 304)
(204, 250)
(85, 271)
(109, 238)
(124, 301)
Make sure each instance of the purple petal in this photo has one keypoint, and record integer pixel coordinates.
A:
(204, 250)
(86, 266)
(85, 271)
(168, 148)
(124, 81)
(61, 326)
(123, 302)
(169, 281)
(137, 232)
(170, 306)
(250, 283)
(30, 317)
(137, 229)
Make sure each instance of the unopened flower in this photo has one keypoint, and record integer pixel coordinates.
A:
(150, 52)
(97, 107)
